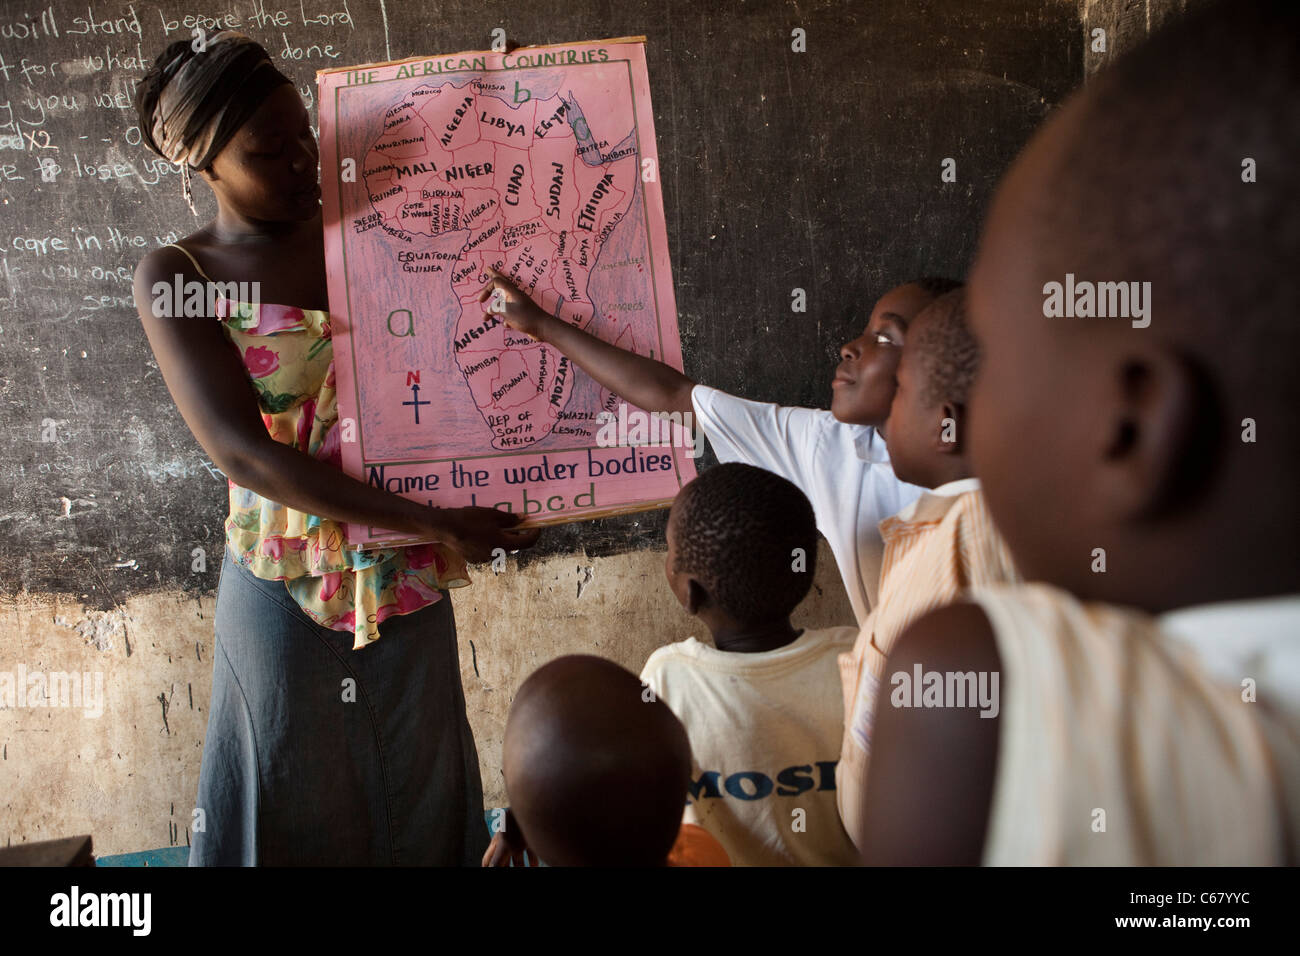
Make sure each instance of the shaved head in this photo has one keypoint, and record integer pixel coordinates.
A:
(596, 768)
(1147, 184)
(1175, 166)
(734, 529)
(948, 355)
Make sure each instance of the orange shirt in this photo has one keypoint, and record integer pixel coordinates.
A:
(695, 846)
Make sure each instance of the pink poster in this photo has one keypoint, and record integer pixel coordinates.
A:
(540, 163)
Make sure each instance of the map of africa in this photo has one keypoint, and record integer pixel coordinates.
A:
(540, 164)
(535, 200)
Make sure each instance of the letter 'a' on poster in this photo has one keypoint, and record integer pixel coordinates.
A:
(540, 162)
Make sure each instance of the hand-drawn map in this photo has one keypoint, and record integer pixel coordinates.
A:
(540, 163)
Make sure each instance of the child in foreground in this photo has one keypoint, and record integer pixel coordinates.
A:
(759, 704)
(1150, 674)
(937, 547)
(595, 769)
(821, 452)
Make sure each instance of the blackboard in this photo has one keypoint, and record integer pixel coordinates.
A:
(817, 170)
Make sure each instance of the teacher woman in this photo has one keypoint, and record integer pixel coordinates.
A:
(337, 731)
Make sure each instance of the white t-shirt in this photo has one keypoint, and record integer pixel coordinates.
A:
(843, 469)
(765, 734)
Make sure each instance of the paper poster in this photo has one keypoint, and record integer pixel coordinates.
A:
(542, 163)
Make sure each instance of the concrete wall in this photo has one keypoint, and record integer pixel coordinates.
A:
(129, 776)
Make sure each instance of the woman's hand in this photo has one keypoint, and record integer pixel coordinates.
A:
(519, 312)
(477, 532)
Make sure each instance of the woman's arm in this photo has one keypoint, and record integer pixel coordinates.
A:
(299, 481)
(211, 389)
(648, 384)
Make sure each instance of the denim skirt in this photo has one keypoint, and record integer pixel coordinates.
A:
(320, 755)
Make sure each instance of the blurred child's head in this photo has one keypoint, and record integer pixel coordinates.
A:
(742, 547)
(926, 430)
(595, 766)
(864, 380)
(1127, 435)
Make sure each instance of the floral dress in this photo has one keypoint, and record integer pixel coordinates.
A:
(290, 360)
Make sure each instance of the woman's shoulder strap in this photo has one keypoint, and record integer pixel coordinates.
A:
(190, 256)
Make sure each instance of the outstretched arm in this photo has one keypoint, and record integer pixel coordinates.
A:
(644, 382)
